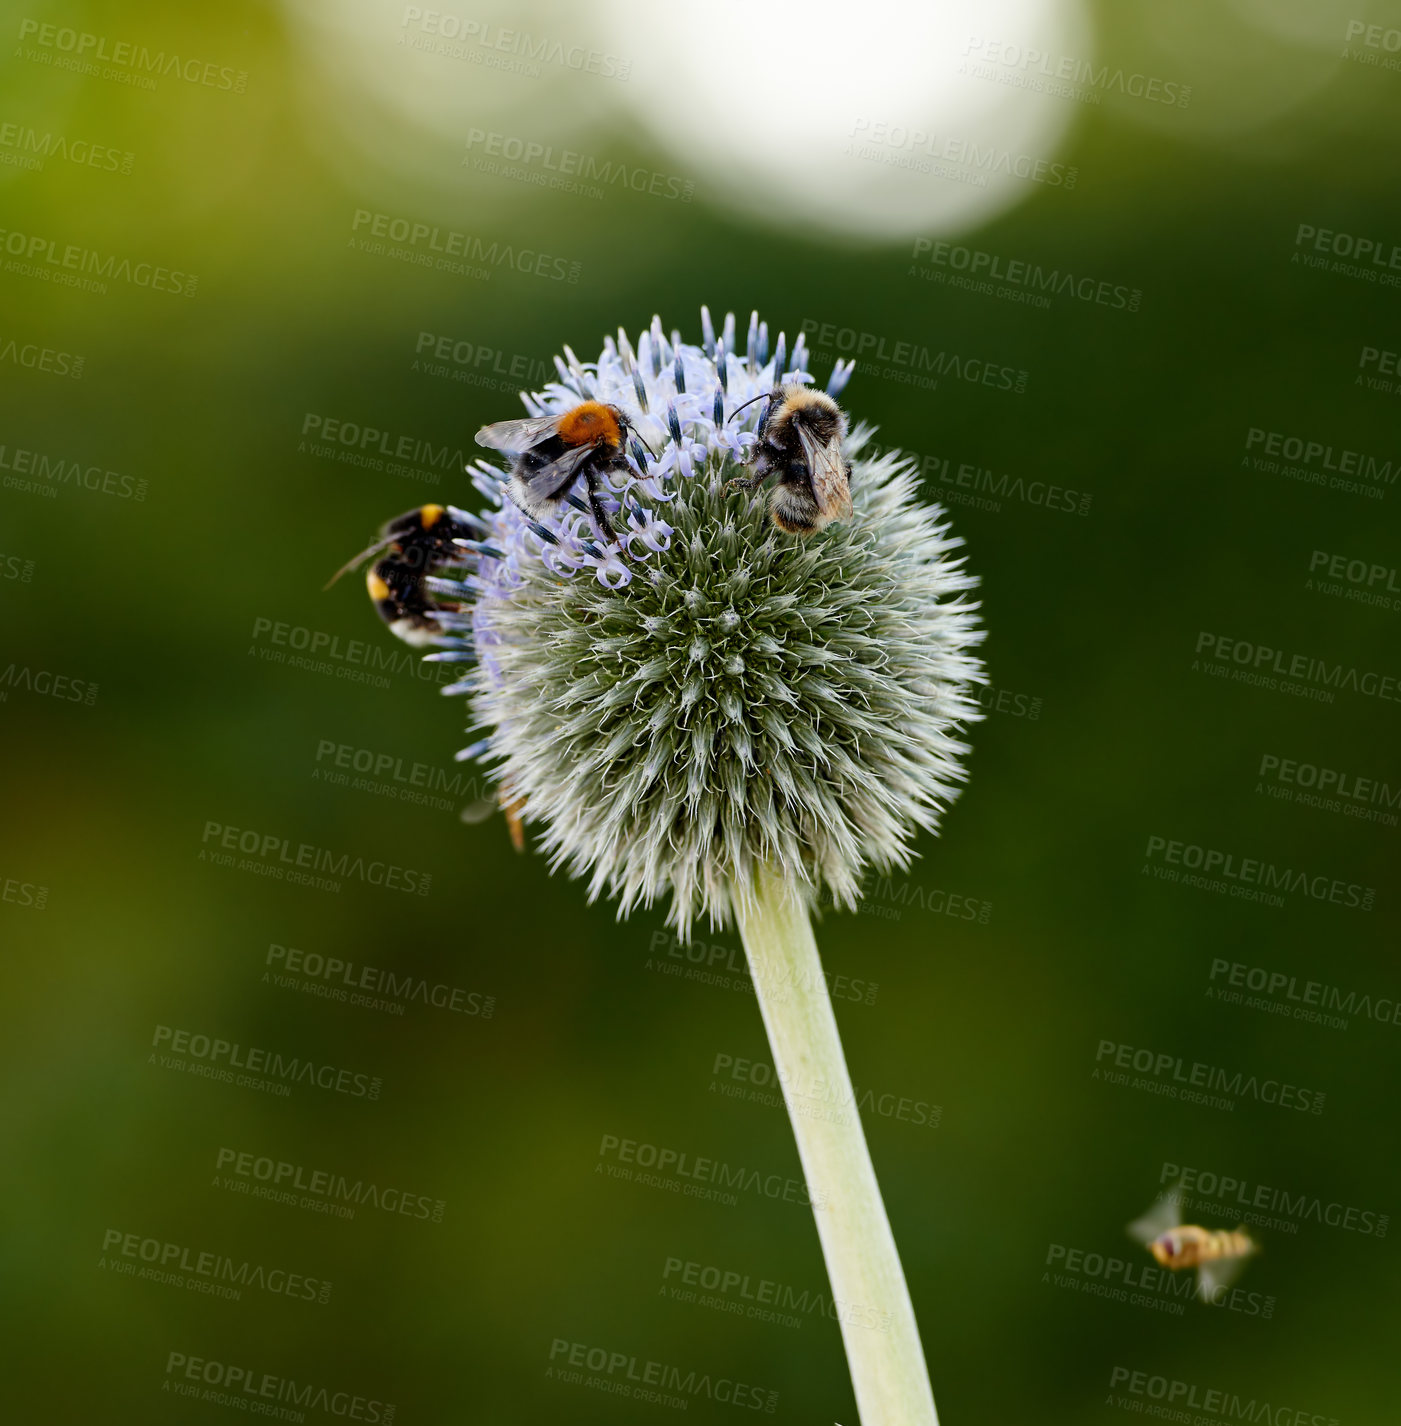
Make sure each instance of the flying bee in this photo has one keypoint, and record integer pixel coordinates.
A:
(1217, 1254)
(553, 452)
(417, 545)
(800, 441)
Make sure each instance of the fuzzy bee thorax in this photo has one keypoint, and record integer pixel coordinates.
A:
(589, 424)
(815, 411)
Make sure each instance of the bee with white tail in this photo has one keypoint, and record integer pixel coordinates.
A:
(1217, 1254)
(415, 548)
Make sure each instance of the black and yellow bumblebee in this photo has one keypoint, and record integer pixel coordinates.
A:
(417, 545)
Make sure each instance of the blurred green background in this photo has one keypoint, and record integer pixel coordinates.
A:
(167, 596)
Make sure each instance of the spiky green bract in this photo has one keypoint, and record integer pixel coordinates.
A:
(756, 697)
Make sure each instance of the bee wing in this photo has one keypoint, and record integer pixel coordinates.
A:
(829, 482)
(479, 810)
(1165, 1213)
(1216, 1276)
(551, 479)
(485, 807)
(515, 436)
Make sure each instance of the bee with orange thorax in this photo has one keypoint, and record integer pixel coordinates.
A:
(552, 453)
(417, 545)
(1217, 1254)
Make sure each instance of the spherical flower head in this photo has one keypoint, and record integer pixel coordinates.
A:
(702, 693)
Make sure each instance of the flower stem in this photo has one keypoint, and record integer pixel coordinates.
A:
(888, 1373)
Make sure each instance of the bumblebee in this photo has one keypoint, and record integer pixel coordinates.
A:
(417, 545)
(1218, 1254)
(800, 441)
(553, 452)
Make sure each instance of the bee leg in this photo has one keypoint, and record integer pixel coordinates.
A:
(513, 807)
(764, 460)
(747, 482)
(600, 515)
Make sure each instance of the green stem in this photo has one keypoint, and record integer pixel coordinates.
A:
(888, 1373)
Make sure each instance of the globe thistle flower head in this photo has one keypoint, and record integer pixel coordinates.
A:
(696, 692)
